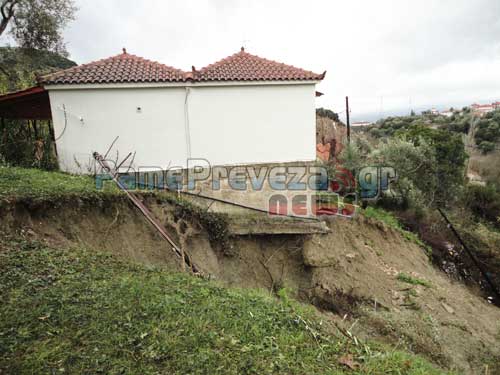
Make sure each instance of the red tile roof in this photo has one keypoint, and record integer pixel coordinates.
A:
(127, 68)
(243, 66)
(121, 68)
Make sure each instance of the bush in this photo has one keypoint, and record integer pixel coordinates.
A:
(416, 168)
(27, 144)
(484, 202)
(324, 112)
(351, 157)
(449, 165)
(486, 146)
(488, 129)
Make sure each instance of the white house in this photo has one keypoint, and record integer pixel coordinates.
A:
(241, 110)
(361, 124)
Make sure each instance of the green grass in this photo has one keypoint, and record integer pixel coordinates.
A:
(392, 221)
(24, 183)
(381, 215)
(413, 280)
(76, 311)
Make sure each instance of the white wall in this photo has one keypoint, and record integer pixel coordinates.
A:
(156, 133)
(227, 124)
(250, 124)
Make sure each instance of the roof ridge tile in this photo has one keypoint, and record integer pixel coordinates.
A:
(246, 66)
(121, 68)
(125, 67)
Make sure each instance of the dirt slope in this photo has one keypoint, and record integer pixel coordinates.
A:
(351, 274)
(444, 319)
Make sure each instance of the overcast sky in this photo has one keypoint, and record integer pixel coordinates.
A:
(384, 54)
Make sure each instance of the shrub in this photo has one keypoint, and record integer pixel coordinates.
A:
(27, 144)
(488, 128)
(416, 168)
(450, 157)
(324, 112)
(484, 202)
(486, 146)
(351, 157)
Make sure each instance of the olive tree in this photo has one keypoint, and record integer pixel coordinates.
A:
(37, 24)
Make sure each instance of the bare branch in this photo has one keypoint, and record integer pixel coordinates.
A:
(7, 11)
(2, 8)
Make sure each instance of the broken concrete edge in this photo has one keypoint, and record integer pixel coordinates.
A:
(243, 221)
(274, 226)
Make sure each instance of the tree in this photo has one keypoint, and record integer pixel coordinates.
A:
(20, 67)
(450, 159)
(416, 166)
(37, 24)
(484, 201)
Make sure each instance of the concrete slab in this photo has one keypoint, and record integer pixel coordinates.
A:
(263, 225)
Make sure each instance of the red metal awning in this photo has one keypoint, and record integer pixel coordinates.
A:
(29, 104)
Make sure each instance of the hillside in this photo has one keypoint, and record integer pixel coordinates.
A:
(81, 311)
(370, 281)
(20, 66)
(449, 163)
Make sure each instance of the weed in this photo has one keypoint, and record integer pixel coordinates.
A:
(411, 303)
(381, 215)
(413, 280)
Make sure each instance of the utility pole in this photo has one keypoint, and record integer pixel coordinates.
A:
(381, 106)
(348, 120)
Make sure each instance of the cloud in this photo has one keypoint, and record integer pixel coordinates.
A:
(429, 52)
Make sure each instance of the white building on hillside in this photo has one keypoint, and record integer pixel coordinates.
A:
(243, 109)
(481, 109)
(361, 123)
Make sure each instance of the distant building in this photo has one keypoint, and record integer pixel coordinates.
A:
(361, 123)
(482, 109)
(447, 113)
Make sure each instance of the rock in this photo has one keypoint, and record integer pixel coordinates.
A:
(319, 253)
(448, 308)
(350, 256)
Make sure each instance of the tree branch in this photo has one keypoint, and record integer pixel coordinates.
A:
(2, 8)
(7, 13)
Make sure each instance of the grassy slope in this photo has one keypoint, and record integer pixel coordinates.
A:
(35, 184)
(72, 311)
